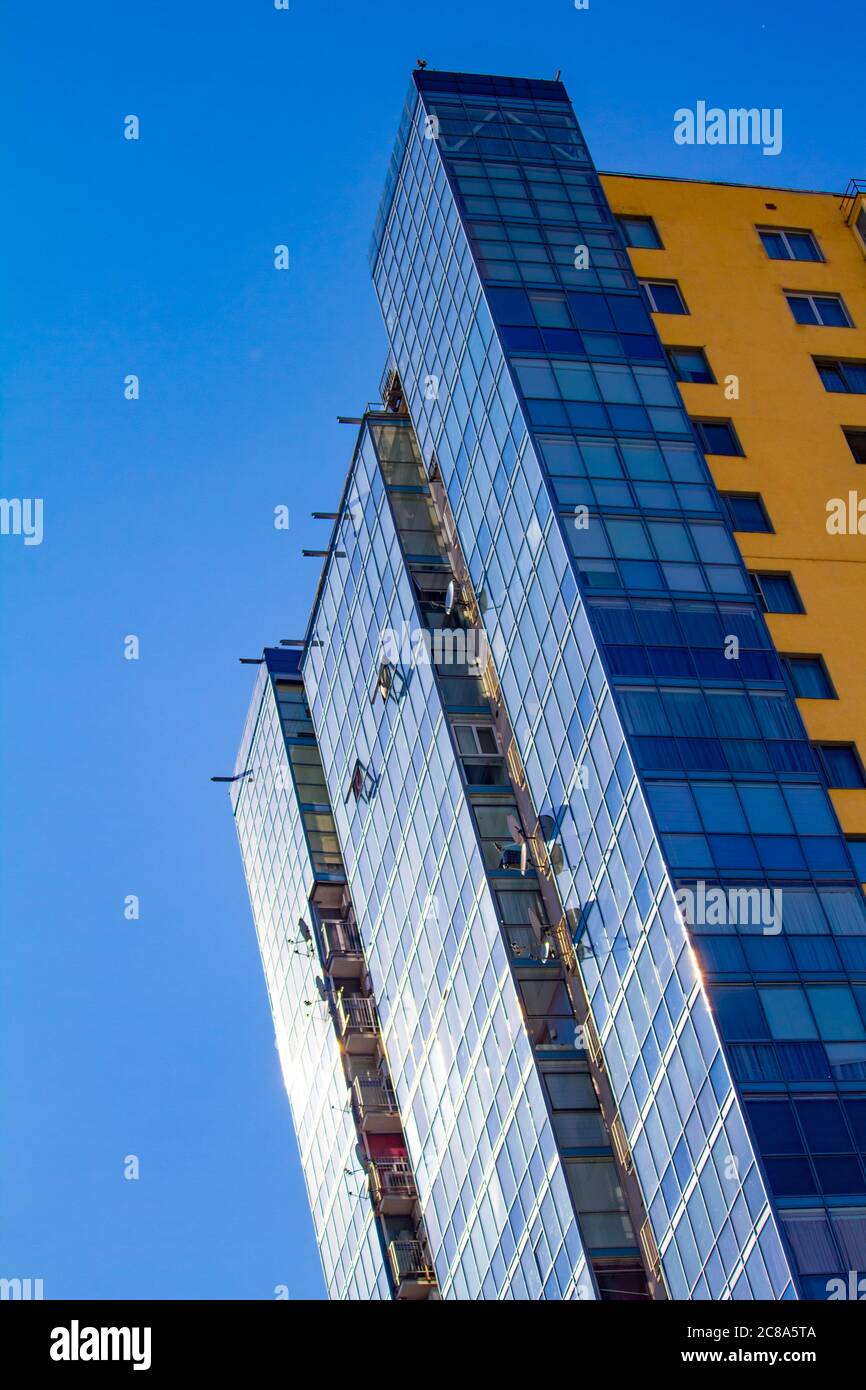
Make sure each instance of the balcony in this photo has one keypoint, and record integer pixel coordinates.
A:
(357, 1023)
(343, 955)
(411, 1269)
(393, 1186)
(375, 1105)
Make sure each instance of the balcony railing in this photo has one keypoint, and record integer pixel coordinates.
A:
(410, 1263)
(342, 949)
(341, 938)
(356, 1014)
(392, 1179)
(373, 1096)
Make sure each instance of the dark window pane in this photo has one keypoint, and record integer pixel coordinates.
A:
(856, 440)
(842, 765)
(665, 299)
(779, 593)
(739, 1013)
(718, 437)
(803, 246)
(690, 364)
(824, 1126)
(855, 376)
(746, 513)
(838, 1175)
(808, 676)
(640, 231)
(511, 306)
(775, 247)
(790, 1177)
(858, 854)
(831, 312)
(802, 309)
(775, 1127)
(831, 375)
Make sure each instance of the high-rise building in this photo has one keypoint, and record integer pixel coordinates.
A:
(554, 822)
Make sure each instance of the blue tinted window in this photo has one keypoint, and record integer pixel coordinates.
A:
(824, 1126)
(739, 1014)
(811, 811)
(765, 808)
(721, 954)
(788, 1012)
(837, 1013)
(802, 308)
(842, 377)
(746, 512)
(778, 592)
(790, 1177)
(720, 807)
(511, 306)
(664, 297)
(590, 310)
(826, 310)
(808, 677)
(783, 245)
(858, 854)
(690, 364)
(841, 765)
(774, 245)
(640, 231)
(775, 1127)
(673, 807)
(718, 437)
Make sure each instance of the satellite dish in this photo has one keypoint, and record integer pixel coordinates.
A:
(515, 829)
(306, 935)
(360, 1154)
(320, 986)
(449, 598)
(524, 858)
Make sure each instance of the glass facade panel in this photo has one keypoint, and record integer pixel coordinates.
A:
(557, 461)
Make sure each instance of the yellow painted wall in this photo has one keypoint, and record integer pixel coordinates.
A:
(789, 426)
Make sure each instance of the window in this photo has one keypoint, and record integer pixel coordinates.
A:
(718, 437)
(846, 378)
(476, 739)
(809, 677)
(789, 245)
(826, 310)
(746, 511)
(778, 593)
(641, 232)
(577, 1122)
(856, 440)
(739, 1014)
(840, 764)
(690, 364)
(663, 296)
(858, 854)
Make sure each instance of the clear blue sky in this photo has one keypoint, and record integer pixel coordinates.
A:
(258, 127)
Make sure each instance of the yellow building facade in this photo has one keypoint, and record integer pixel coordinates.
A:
(740, 297)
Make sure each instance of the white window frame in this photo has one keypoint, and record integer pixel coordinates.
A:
(812, 297)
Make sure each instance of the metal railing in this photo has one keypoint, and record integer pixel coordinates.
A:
(850, 196)
(374, 1096)
(409, 1260)
(392, 1178)
(356, 1014)
(341, 939)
